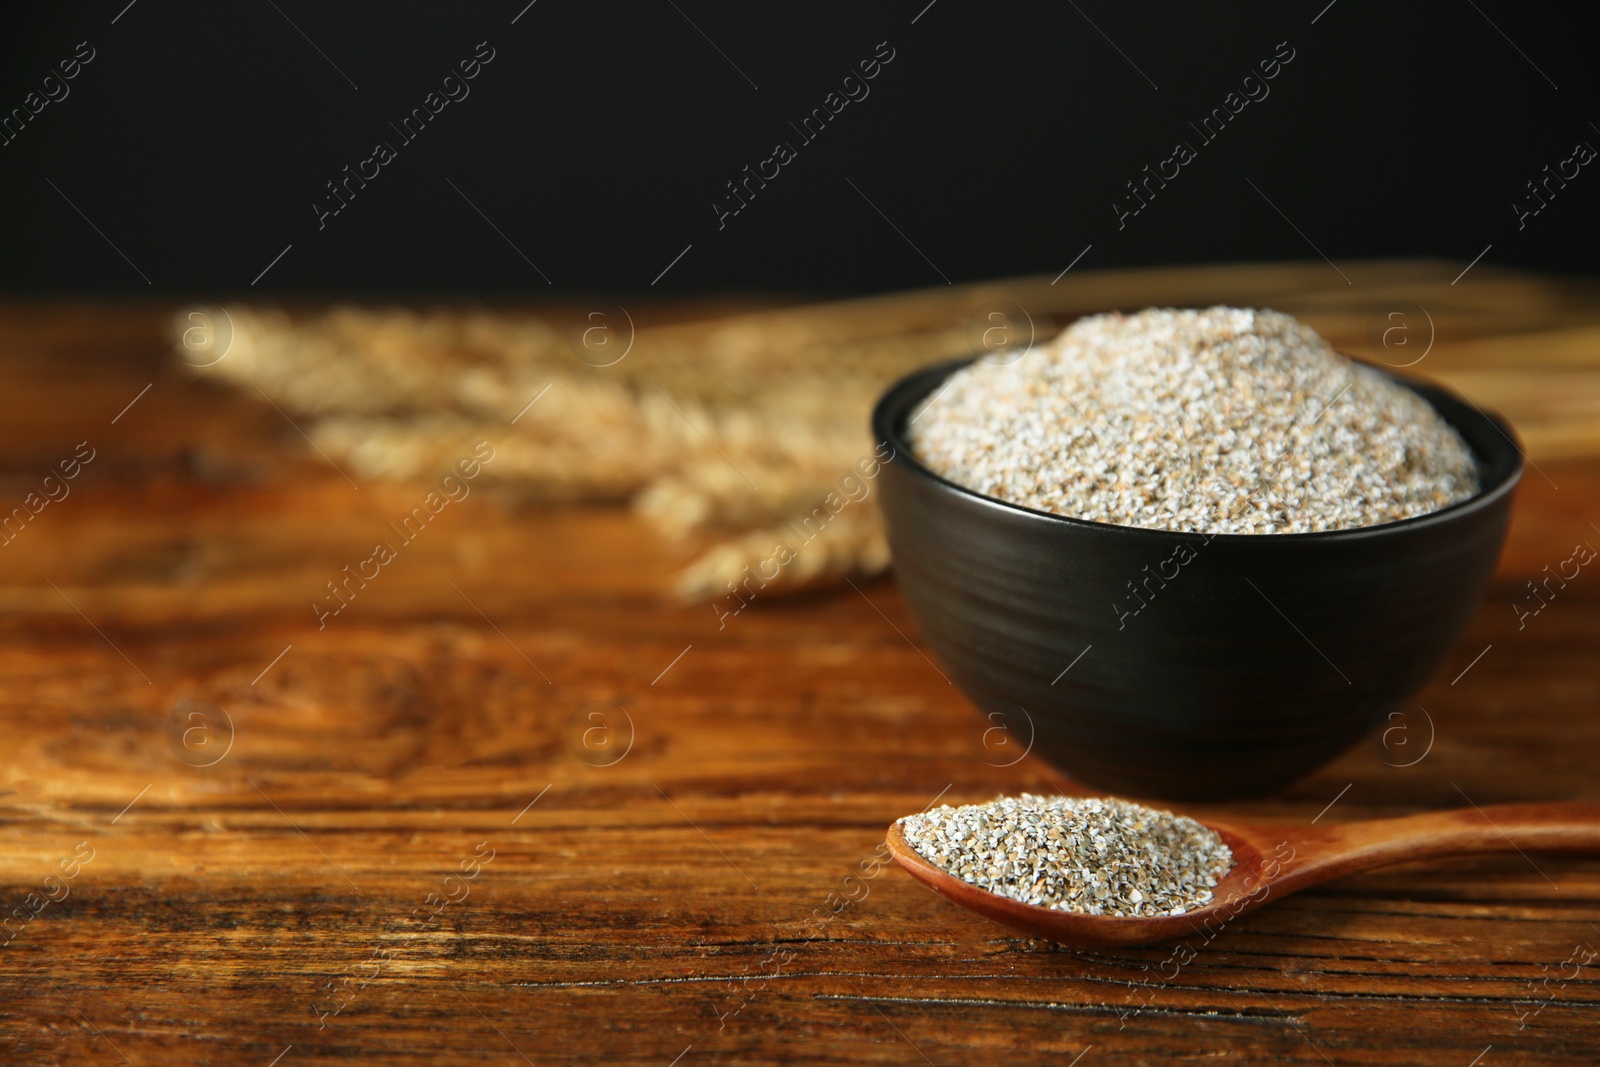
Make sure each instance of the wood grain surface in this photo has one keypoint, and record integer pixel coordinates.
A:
(513, 805)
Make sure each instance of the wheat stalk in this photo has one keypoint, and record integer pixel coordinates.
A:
(712, 440)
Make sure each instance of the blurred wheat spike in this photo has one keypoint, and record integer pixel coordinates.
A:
(722, 433)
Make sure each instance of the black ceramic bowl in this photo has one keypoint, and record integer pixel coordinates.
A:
(1254, 659)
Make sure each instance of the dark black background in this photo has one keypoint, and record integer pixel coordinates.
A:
(597, 140)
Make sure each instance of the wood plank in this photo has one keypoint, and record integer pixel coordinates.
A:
(665, 902)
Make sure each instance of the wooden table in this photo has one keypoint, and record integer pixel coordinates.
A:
(513, 806)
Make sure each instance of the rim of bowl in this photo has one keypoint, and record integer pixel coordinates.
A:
(1498, 451)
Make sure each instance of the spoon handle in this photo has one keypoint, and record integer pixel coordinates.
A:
(1474, 831)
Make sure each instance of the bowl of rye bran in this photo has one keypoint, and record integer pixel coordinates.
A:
(1192, 554)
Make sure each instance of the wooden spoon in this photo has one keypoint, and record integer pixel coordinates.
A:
(1274, 861)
